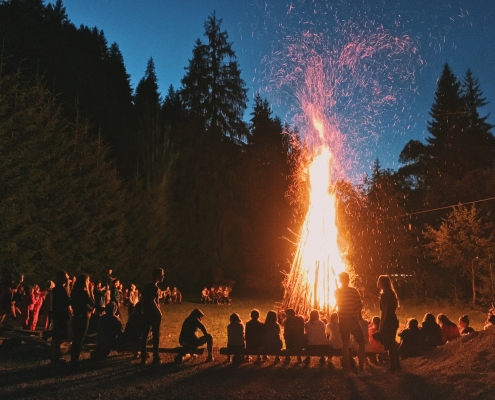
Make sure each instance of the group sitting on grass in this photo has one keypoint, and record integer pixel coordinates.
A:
(220, 295)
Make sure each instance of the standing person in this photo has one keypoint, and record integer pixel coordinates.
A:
(133, 299)
(293, 333)
(115, 293)
(61, 311)
(83, 305)
(99, 293)
(152, 315)
(388, 321)
(349, 307)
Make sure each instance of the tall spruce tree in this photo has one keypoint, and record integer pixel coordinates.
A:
(212, 89)
(152, 133)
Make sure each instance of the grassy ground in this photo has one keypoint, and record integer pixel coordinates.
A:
(459, 370)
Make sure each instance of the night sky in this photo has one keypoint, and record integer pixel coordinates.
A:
(459, 32)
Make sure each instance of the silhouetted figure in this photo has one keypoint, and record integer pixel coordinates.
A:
(109, 332)
(61, 311)
(411, 340)
(273, 341)
(152, 315)
(255, 332)
(82, 306)
(188, 334)
(236, 337)
(293, 332)
(464, 327)
(388, 321)
(430, 330)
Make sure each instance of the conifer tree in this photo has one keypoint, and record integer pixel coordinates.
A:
(212, 89)
(152, 133)
(61, 201)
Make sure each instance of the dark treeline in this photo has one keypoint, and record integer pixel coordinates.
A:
(96, 175)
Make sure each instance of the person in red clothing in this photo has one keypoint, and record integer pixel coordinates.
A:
(449, 330)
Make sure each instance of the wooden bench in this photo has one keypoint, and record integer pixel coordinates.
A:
(314, 352)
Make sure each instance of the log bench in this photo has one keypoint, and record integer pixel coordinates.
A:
(315, 352)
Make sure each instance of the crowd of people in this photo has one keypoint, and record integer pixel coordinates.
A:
(347, 330)
(94, 308)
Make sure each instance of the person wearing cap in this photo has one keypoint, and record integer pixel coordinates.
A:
(188, 334)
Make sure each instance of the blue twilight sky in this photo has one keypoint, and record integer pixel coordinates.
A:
(459, 32)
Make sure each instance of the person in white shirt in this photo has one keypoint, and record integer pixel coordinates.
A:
(315, 334)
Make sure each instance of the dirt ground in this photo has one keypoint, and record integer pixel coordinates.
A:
(463, 369)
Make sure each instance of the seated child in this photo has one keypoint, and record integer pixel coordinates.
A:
(188, 337)
(464, 327)
(315, 334)
(376, 348)
(255, 332)
(333, 332)
(236, 337)
(293, 332)
(272, 340)
(226, 298)
(410, 340)
(109, 332)
(449, 330)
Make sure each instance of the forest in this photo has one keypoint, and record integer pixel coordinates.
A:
(97, 175)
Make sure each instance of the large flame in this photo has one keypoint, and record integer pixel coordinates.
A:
(312, 280)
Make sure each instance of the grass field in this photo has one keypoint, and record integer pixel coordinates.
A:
(217, 316)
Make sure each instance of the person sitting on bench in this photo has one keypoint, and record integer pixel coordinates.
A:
(188, 337)
(293, 332)
(255, 332)
(315, 334)
(236, 337)
(272, 340)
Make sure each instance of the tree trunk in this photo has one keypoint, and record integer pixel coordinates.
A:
(473, 275)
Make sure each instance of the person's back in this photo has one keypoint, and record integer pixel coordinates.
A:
(272, 340)
(188, 334)
(375, 345)
(333, 332)
(294, 332)
(315, 333)
(235, 334)
(411, 340)
(431, 333)
(255, 332)
(108, 331)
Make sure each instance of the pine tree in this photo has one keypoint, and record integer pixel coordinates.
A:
(212, 89)
(152, 133)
